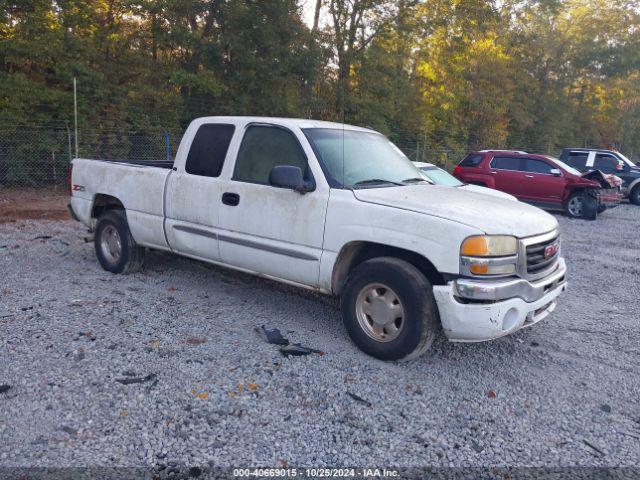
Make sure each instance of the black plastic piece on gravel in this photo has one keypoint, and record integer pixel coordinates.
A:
(4, 388)
(272, 336)
(129, 381)
(358, 398)
(297, 351)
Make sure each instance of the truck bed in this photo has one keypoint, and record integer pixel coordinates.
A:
(138, 185)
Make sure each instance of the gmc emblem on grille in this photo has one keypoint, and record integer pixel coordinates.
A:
(550, 250)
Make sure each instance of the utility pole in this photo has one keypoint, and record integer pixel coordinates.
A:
(75, 113)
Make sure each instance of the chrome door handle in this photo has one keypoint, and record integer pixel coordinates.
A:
(529, 176)
(493, 173)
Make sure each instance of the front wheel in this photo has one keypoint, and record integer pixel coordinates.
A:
(115, 248)
(389, 310)
(574, 205)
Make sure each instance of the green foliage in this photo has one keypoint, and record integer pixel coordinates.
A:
(454, 74)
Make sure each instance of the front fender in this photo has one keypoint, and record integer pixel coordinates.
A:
(434, 238)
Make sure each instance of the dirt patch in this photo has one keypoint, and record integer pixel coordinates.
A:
(33, 203)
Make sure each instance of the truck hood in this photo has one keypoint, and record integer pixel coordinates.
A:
(491, 215)
(488, 191)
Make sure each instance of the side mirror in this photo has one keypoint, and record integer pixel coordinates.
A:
(288, 176)
(556, 172)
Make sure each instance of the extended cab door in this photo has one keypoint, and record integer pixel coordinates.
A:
(270, 230)
(540, 184)
(192, 194)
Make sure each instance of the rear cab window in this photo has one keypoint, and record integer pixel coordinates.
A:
(209, 149)
(471, 160)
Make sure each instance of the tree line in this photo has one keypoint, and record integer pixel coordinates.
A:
(535, 74)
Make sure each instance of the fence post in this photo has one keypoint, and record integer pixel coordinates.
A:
(424, 147)
(53, 166)
(69, 138)
(167, 143)
(446, 158)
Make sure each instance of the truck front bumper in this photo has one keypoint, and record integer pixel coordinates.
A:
(478, 310)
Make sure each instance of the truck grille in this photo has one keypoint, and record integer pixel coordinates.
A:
(536, 259)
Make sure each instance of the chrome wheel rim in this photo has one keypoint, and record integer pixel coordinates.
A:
(380, 312)
(575, 206)
(111, 244)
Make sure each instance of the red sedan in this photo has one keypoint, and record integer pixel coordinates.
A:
(541, 180)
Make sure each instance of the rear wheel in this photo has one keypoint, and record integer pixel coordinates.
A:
(389, 310)
(115, 248)
(634, 195)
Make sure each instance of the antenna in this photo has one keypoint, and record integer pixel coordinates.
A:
(344, 117)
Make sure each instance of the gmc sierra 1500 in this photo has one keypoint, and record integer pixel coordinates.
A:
(338, 209)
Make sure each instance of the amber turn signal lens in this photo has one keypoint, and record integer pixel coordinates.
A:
(475, 247)
(479, 269)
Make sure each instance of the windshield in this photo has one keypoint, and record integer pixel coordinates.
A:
(564, 166)
(350, 158)
(441, 177)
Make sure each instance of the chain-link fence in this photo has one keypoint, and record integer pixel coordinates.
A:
(39, 156)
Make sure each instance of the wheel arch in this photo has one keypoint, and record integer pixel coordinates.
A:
(575, 189)
(354, 253)
(103, 202)
(634, 184)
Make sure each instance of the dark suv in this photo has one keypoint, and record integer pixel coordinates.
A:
(607, 161)
(541, 180)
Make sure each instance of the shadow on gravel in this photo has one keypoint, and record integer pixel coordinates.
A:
(322, 315)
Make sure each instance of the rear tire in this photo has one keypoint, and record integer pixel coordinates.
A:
(115, 247)
(634, 195)
(389, 310)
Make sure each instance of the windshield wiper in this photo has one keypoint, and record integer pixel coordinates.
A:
(415, 179)
(375, 181)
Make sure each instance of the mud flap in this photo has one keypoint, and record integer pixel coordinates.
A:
(590, 205)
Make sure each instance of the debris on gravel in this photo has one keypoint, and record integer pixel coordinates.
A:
(69, 430)
(144, 395)
(297, 350)
(272, 336)
(132, 380)
(358, 398)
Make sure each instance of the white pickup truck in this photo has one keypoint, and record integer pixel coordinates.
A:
(338, 209)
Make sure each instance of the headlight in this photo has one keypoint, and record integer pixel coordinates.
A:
(489, 246)
(489, 255)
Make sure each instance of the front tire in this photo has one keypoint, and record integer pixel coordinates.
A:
(634, 195)
(389, 310)
(115, 248)
(574, 205)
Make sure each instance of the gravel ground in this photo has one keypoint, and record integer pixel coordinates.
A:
(165, 366)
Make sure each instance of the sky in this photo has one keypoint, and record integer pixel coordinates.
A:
(308, 8)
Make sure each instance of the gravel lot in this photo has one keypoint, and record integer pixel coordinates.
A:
(213, 392)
